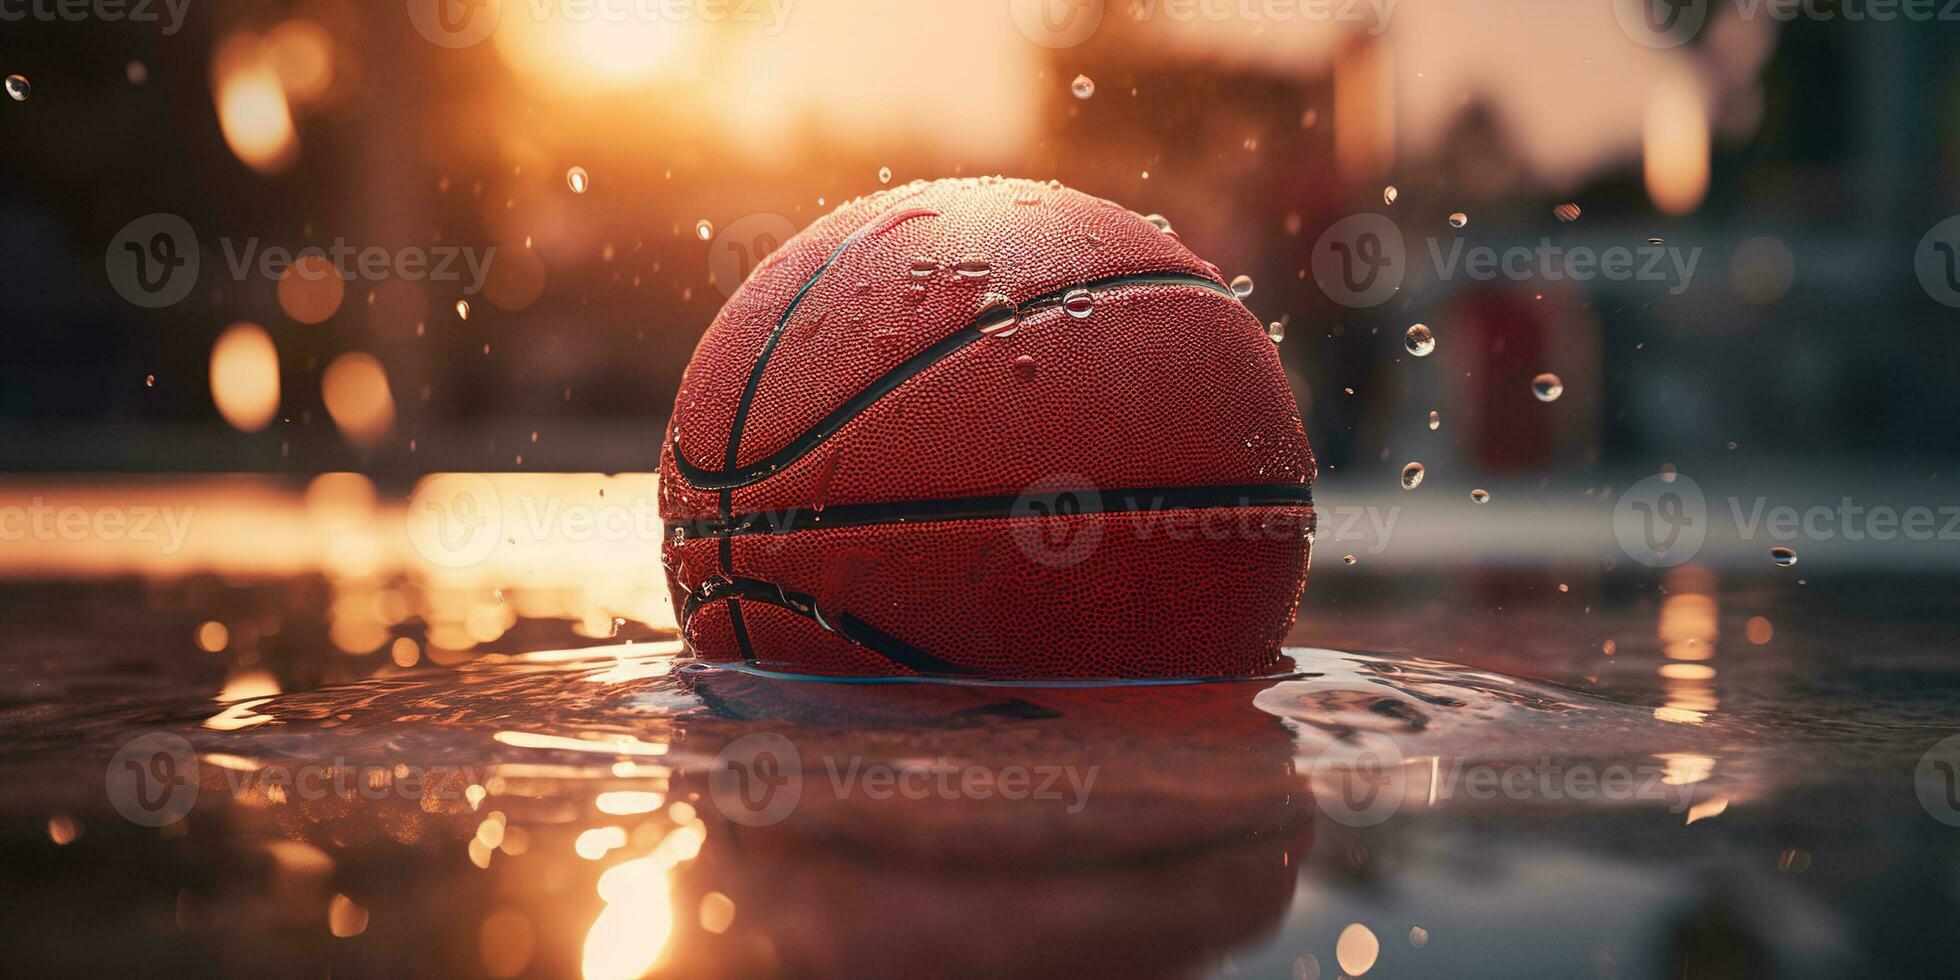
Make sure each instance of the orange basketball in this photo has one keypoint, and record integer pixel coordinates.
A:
(987, 427)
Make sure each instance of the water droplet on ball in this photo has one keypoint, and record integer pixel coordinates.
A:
(1079, 303)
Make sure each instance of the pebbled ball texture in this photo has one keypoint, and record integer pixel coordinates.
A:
(901, 448)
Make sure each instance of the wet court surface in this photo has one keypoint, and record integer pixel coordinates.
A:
(1647, 773)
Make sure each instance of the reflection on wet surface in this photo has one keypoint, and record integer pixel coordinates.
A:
(513, 770)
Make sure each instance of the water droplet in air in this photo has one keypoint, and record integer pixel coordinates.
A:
(1083, 86)
(462, 309)
(1419, 340)
(150, 381)
(1241, 286)
(1656, 240)
(998, 318)
(1459, 219)
(137, 72)
(1480, 496)
(1783, 557)
(1275, 331)
(973, 267)
(578, 179)
(1079, 303)
(884, 175)
(17, 87)
(1389, 194)
(1547, 387)
(1566, 212)
(1412, 476)
(1162, 223)
(923, 268)
(1435, 421)
(1350, 559)
(704, 229)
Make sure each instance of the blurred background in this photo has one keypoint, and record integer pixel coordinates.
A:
(1803, 161)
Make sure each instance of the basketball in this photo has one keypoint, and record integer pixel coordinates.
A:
(987, 428)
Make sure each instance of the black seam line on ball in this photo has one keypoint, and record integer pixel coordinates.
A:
(741, 629)
(775, 336)
(843, 624)
(733, 476)
(1138, 501)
